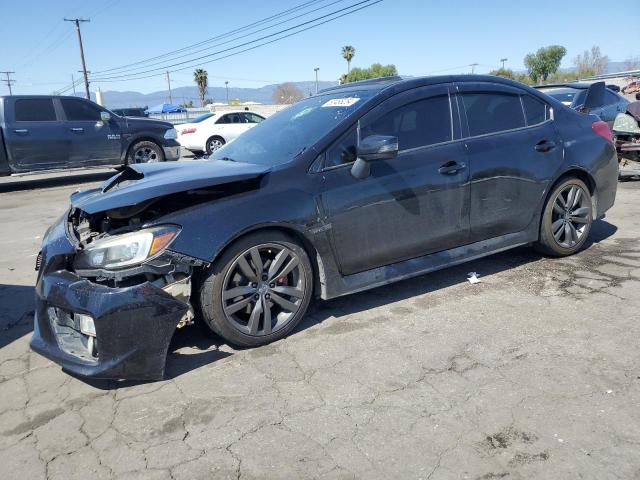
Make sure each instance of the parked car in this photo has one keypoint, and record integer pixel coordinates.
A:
(626, 131)
(632, 87)
(210, 131)
(573, 95)
(130, 112)
(356, 187)
(49, 132)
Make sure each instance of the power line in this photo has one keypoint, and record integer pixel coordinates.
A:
(217, 37)
(348, 10)
(244, 35)
(77, 21)
(9, 81)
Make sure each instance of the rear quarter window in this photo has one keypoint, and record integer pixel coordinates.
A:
(535, 111)
(35, 110)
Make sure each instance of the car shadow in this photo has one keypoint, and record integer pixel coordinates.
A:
(15, 184)
(16, 312)
(194, 346)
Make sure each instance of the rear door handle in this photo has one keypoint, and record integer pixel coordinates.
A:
(545, 146)
(21, 131)
(451, 167)
(77, 130)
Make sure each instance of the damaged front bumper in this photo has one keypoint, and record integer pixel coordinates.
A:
(130, 325)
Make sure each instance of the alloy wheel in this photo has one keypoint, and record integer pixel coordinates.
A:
(145, 155)
(571, 216)
(263, 289)
(215, 144)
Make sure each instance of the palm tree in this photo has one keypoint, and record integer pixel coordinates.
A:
(348, 52)
(200, 77)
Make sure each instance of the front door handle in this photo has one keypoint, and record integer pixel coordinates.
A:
(545, 146)
(21, 131)
(451, 167)
(77, 130)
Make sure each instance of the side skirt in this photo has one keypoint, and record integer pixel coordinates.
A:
(376, 277)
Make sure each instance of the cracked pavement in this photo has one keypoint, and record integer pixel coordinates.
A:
(532, 373)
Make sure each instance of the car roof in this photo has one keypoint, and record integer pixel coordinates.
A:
(398, 83)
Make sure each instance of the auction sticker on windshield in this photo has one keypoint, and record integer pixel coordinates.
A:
(340, 102)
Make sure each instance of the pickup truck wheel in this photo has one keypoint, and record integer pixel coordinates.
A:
(214, 143)
(258, 290)
(145, 152)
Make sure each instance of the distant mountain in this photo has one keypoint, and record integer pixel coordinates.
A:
(114, 99)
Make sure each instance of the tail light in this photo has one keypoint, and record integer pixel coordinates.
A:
(188, 130)
(602, 129)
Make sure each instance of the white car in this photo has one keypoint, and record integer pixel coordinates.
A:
(211, 131)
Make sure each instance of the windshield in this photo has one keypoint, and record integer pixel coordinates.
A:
(565, 95)
(287, 133)
(202, 117)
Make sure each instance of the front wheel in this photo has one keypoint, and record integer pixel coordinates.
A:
(258, 291)
(566, 219)
(145, 152)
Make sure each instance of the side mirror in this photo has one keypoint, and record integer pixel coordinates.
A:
(105, 116)
(372, 149)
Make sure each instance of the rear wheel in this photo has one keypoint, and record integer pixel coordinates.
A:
(214, 143)
(259, 290)
(566, 219)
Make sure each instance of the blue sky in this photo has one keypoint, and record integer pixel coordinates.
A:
(419, 37)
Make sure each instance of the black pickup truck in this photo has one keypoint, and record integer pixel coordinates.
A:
(39, 132)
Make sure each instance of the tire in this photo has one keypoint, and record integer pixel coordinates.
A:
(566, 219)
(213, 144)
(252, 325)
(145, 152)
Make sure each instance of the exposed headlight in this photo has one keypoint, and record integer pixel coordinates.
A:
(127, 249)
(171, 134)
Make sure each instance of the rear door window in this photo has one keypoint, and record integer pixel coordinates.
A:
(77, 110)
(492, 112)
(535, 111)
(35, 110)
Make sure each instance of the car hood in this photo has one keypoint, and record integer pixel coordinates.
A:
(138, 123)
(139, 183)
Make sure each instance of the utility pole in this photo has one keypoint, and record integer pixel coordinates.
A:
(73, 84)
(9, 81)
(84, 66)
(503, 60)
(169, 83)
(86, 76)
(226, 84)
(316, 70)
(473, 67)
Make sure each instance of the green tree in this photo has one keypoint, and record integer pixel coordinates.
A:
(374, 71)
(503, 72)
(591, 62)
(348, 52)
(544, 62)
(201, 77)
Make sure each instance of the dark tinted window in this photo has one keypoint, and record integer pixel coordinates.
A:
(343, 151)
(253, 118)
(35, 110)
(79, 110)
(231, 118)
(535, 111)
(417, 124)
(492, 112)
